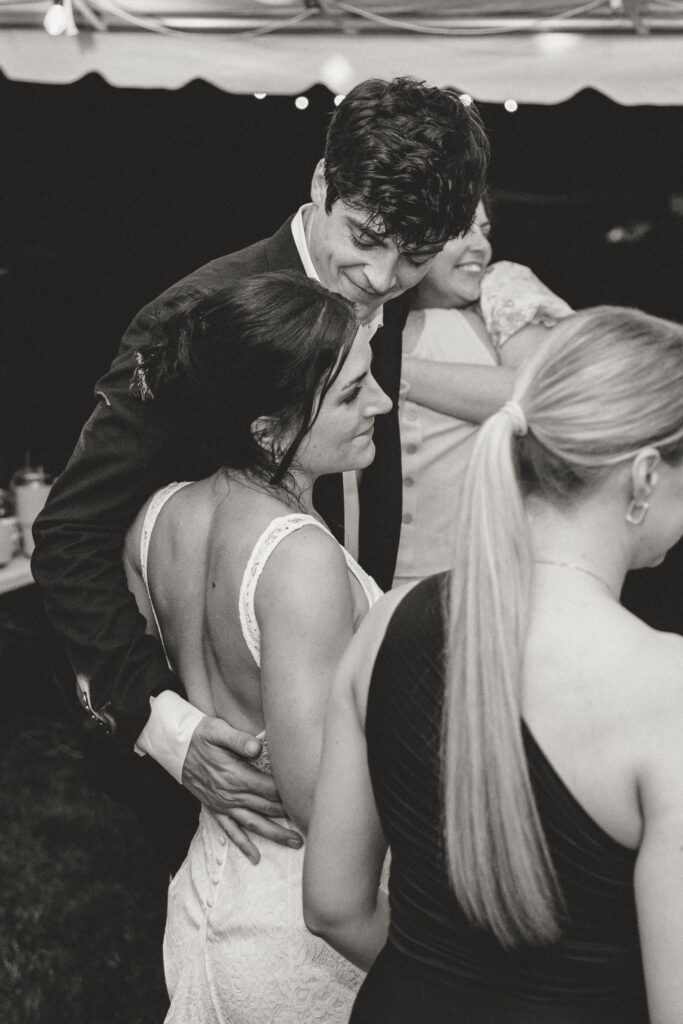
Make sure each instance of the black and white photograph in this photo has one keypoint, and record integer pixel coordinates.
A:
(341, 512)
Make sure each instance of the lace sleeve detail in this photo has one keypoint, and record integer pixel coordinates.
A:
(276, 530)
(512, 296)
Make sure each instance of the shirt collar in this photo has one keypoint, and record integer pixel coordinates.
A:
(299, 236)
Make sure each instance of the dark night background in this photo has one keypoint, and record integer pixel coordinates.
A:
(109, 195)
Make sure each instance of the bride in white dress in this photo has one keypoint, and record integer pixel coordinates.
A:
(255, 602)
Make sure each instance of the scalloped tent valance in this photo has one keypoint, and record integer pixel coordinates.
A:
(539, 52)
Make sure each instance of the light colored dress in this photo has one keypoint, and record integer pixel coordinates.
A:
(236, 949)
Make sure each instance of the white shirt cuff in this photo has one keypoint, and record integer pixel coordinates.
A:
(168, 732)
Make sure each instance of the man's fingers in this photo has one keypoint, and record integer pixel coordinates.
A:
(239, 837)
(259, 805)
(218, 732)
(267, 828)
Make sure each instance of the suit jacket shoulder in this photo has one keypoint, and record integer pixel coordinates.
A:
(278, 252)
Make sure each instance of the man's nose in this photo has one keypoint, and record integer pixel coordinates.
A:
(381, 272)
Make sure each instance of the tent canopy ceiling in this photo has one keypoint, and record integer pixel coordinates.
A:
(541, 51)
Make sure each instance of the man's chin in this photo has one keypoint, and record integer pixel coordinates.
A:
(366, 310)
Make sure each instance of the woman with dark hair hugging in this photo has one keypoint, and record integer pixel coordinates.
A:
(512, 731)
(255, 601)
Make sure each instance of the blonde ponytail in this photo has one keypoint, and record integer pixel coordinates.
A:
(607, 382)
(497, 854)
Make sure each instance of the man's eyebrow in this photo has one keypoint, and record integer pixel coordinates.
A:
(381, 236)
(423, 250)
(365, 229)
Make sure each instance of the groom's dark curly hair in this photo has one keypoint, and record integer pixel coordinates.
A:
(413, 156)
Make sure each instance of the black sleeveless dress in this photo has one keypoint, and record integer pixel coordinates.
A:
(437, 968)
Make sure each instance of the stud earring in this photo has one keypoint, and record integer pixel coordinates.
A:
(636, 512)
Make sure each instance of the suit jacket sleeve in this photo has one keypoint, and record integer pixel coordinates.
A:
(126, 450)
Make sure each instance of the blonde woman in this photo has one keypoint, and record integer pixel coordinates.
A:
(518, 740)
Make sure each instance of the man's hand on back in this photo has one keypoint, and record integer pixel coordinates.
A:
(242, 798)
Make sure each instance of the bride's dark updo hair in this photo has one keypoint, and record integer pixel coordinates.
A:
(267, 347)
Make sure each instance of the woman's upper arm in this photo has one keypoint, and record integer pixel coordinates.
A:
(304, 610)
(520, 345)
(659, 868)
(346, 846)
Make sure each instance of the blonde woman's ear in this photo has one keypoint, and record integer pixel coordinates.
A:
(644, 475)
(644, 478)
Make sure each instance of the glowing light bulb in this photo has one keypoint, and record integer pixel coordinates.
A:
(260, 95)
(511, 106)
(338, 99)
(556, 42)
(336, 73)
(301, 102)
(55, 20)
(465, 99)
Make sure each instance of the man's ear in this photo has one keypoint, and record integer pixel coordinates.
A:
(319, 186)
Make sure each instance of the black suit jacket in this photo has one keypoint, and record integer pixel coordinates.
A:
(126, 450)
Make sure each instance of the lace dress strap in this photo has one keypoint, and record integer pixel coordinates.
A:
(155, 506)
(276, 531)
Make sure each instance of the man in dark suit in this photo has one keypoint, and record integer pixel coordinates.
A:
(403, 170)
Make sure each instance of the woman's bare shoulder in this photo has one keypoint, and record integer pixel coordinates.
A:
(651, 673)
(305, 561)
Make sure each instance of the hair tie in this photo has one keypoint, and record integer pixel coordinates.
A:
(516, 414)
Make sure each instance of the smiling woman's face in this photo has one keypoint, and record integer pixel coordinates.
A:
(454, 276)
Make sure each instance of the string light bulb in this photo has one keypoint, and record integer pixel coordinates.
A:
(260, 95)
(465, 99)
(511, 106)
(56, 19)
(339, 99)
(301, 102)
(59, 19)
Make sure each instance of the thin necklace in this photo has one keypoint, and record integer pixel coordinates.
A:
(578, 568)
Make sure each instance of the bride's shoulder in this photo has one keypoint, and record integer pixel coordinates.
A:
(302, 577)
(301, 545)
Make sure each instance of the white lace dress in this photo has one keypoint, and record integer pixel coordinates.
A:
(236, 950)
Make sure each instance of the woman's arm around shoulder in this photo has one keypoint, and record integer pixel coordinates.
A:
(659, 868)
(346, 846)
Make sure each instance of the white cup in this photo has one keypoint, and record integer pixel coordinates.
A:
(30, 495)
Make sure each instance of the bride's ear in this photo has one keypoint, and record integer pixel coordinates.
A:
(265, 431)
